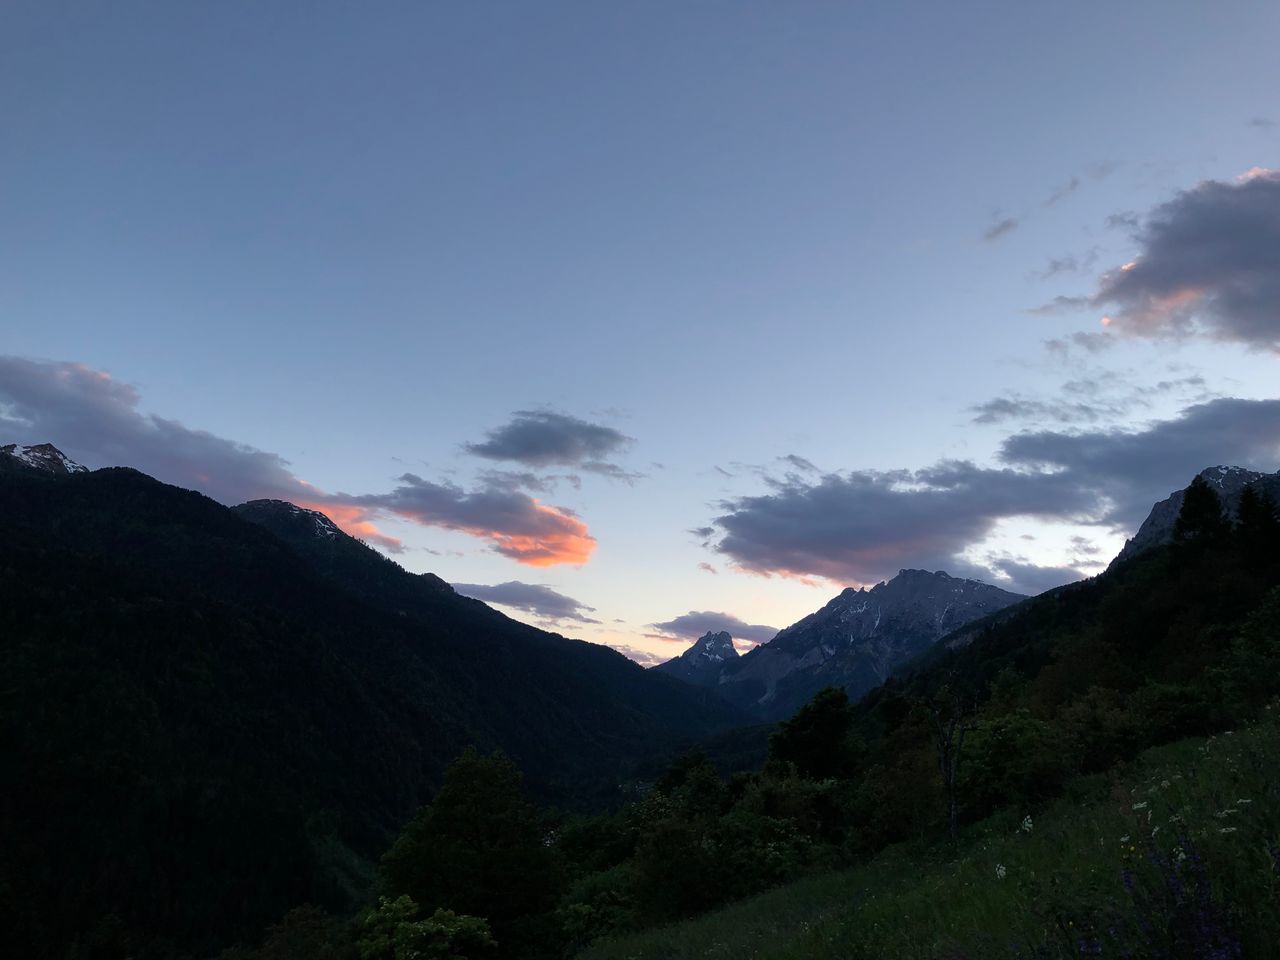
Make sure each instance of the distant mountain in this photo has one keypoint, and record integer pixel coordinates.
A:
(212, 715)
(703, 662)
(1227, 482)
(43, 457)
(856, 641)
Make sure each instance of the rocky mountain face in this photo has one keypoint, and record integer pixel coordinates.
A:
(856, 641)
(703, 662)
(43, 457)
(1227, 482)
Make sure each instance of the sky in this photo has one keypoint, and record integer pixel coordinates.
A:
(645, 319)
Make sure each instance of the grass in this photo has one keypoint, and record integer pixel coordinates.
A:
(1177, 856)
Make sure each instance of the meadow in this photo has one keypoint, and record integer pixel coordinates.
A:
(1174, 855)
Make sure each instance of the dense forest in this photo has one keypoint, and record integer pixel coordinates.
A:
(1047, 702)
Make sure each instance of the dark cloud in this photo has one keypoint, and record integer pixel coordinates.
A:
(1131, 470)
(862, 526)
(695, 623)
(548, 605)
(541, 438)
(95, 418)
(1022, 576)
(1208, 262)
(1124, 221)
(998, 230)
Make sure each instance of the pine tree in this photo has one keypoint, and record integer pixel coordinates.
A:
(1258, 525)
(1201, 518)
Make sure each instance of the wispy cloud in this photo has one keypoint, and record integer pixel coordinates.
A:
(999, 229)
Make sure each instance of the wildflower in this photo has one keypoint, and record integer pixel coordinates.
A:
(1125, 838)
(1165, 784)
(1140, 806)
(1026, 824)
(1225, 813)
(1000, 871)
(1227, 830)
(1242, 803)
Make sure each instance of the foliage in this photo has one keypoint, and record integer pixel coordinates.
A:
(391, 932)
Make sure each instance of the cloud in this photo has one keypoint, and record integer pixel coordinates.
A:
(862, 526)
(1208, 263)
(1092, 343)
(695, 623)
(1263, 123)
(96, 419)
(999, 229)
(516, 525)
(538, 599)
(541, 438)
(646, 658)
(1089, 400)
(708, 568)
(1128, 220)
(1068, 188)
(800, 463)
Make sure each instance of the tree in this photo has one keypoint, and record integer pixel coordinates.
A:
(950, 720)
(1201, 518)
(818, 738)
(391, 932)
(478, 849)
(1258, 525)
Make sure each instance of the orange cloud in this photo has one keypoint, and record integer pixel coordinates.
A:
(541, 536)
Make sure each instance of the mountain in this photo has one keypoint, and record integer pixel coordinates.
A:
(703, 662)
(1227, 482)
(44, 457)
(212, 715)
(856, 641)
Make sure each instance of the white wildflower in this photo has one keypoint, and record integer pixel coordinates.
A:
(1226, 813)
(1125, 838)
(1243, 802)
(1227, 830)
(1140, 806)
(1000, 871)
(1026, 824)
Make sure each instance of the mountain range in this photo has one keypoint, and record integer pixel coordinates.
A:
(855, 642)
(214, 714)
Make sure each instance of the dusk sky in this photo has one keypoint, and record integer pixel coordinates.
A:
(644, 319)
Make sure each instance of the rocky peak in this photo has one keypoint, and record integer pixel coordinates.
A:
(702, 662)
(41, 456)
(316, 522)
(1227, 482)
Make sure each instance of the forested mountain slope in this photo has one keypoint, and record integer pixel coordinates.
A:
(203, 727)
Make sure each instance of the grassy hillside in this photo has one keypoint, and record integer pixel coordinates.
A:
(1178, 855)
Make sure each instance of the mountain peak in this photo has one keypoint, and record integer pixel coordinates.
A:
(41, 456)
(702, 662)
(321, 525)
(1228, 482)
